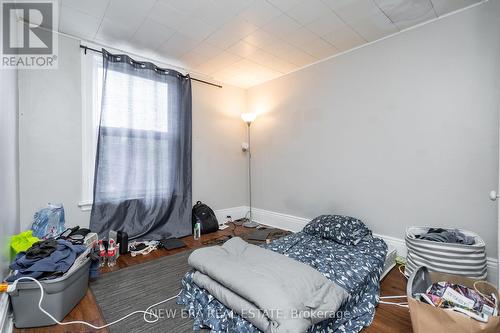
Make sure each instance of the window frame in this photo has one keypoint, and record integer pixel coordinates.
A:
(90, 121)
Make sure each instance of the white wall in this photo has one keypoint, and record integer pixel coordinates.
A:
(9, 205)
(401, 132)
(51, 140)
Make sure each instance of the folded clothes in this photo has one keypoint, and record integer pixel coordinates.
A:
(447, 236)
(56, 263)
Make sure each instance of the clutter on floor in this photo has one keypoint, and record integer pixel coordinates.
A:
(266, 235)
(144, 247)
(45, 260)
(453, 251)
(457, 297)
(454, 302)
(58, 265)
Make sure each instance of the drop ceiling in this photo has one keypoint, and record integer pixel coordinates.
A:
(244, 42)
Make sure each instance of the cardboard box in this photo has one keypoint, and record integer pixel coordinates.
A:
(426, 318)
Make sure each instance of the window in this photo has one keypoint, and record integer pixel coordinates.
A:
(129, 92)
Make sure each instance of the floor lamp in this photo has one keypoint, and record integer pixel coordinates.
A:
(248, 118)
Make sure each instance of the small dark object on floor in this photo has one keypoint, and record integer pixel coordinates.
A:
(172, 243)
(260, 235)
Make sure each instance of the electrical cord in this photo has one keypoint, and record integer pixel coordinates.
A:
(400, 304)
(13, 286)
(401, 271)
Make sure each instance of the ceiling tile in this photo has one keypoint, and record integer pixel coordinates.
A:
(210, 12)
(186, 6)
(164, 14)
(301, 58)
(243, 49)
(94, 8)
(343, 38)
(196, 29)
(308, 11)
(260, 38)
(260, 12)
(281, 26)
(284, 5)
(300, 36)
(234, 7)
(130, 12)
(319, 48)
(364, 17)
(193, 59)
(266, 59)
(218, 62)
(151, 35)
(406, 13)
(207, 50)
(77, 23)
(114, 32)
(446, 6)
(231, 32)
(326, 23)
(177, 45)
(244, 42)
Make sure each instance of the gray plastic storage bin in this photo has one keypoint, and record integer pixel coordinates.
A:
(61, 296)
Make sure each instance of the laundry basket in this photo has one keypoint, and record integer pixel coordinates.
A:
(450, 258)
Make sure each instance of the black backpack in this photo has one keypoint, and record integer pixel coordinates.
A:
(206, 216)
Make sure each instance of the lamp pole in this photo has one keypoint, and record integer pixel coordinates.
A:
(249, 223)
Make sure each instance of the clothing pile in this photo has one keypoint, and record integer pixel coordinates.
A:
(447, 236)
(46, 259)
(461, 299)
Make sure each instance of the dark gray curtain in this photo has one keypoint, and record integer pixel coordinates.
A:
(142, 179)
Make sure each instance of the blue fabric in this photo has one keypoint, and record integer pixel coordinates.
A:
(59, 261)
(355, 268)
(342, 229)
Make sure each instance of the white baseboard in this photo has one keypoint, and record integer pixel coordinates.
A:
(234, 212)
(295, 224)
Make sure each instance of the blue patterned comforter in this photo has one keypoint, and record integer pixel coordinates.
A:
(357, 268)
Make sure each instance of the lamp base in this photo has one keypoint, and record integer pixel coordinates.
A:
(250, 224)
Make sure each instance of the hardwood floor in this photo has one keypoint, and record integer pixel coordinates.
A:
(388, 318)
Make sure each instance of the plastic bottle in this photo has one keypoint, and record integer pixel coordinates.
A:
(102, 254)
(197, 230)
(111, 253)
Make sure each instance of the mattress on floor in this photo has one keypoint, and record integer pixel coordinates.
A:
(355, 268)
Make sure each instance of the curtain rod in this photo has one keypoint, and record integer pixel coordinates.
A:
(85, 47)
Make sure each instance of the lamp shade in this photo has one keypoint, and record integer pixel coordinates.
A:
(248, 117)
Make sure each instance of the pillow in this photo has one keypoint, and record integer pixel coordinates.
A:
(341, 229)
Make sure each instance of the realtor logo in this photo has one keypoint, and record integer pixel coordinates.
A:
(29, 34)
